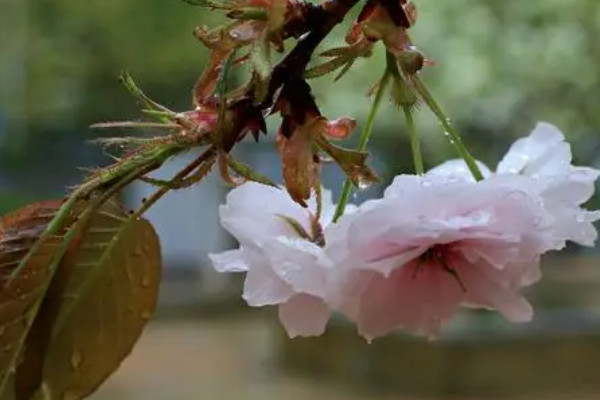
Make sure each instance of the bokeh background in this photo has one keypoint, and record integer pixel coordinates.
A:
(500, 67)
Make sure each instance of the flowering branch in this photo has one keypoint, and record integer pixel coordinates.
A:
(319, 22)
(436, 240)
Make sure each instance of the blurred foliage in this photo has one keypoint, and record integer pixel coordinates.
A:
(500, 67)
(60, 59)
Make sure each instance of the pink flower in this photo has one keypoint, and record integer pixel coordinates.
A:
(280, 254)
(544, 158)
(435, 243)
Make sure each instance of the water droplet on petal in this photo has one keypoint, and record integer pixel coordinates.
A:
(580, 218)
(516, 195)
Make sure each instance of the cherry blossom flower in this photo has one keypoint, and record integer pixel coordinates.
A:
(409, 260)
(281, 254)
(434, 243)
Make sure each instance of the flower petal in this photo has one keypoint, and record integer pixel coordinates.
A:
(300, 263)
(262, 286)
(485, 288)
(543, 152)
(252, 213)
(457, 169)
(229, 261)
(304, 315)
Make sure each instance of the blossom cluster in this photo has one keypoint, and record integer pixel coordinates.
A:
(409, 260)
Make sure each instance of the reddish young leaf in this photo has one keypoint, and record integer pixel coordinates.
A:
(101, 297)
(19, 294)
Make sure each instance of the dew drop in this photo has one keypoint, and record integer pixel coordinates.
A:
(516, 195)
(75, 359)
(146, 280)
(426, 183)
(363, 183)
(146, 315)
(580, 218)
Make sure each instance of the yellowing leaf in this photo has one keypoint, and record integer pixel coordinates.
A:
(103, 293)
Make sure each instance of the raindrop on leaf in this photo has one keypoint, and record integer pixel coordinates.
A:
(76, 359)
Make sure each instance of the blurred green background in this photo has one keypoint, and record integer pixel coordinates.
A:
(501, 66)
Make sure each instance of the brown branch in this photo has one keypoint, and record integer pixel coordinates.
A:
(312, 23)
(318, 22)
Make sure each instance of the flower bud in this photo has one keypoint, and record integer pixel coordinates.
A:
(402, 94)
(411, 60)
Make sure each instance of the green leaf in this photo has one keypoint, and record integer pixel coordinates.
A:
(326, 67)
(353, 162)
(344, 69)
(101, 297)
(260, 59)
(296, 226)
(244, 170)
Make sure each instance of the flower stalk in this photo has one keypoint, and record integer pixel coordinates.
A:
(414, 140)
(363, 141)
(452, 135)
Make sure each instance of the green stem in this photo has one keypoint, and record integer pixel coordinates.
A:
(362, 143)
(196, 163)
(414, 140)
(452, 135)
